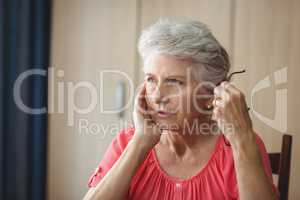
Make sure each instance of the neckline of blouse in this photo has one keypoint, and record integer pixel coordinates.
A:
(176, 181)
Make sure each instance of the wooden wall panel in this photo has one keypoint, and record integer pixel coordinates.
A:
(266, 40)
(87, 36)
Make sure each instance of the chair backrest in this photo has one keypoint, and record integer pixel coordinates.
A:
(280, 164)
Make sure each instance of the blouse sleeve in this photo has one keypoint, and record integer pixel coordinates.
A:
(111, 155)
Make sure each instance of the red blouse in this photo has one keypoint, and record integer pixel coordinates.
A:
(217, 180)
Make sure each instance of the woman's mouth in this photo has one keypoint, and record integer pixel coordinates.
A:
(163, 114)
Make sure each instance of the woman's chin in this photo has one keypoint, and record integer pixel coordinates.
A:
(167, 125)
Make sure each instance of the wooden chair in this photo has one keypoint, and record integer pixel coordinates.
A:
(280, 164)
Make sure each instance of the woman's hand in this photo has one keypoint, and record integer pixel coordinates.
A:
(147, 133)
(231, 113)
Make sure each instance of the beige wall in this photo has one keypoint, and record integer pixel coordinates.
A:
(91, 35)
(266, 39)
(87, 36)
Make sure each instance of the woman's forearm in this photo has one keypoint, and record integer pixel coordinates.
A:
(253, 182)
(116, 182)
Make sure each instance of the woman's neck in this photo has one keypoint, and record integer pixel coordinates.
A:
(180, 144)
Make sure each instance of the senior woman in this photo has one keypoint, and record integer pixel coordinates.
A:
(163, 155)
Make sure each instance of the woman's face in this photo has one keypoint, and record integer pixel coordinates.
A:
(173, 95)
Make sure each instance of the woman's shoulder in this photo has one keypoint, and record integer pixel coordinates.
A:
(113, 152)
(123, 137)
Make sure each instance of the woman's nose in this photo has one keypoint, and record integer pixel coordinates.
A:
(160, 96)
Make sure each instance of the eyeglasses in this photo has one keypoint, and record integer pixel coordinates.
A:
(233, 73)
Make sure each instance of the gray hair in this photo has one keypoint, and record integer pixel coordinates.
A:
(186, 40)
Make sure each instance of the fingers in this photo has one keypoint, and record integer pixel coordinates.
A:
(237, 97)
(141, 104)
(228, 98)
(226, 93)
(221, 96)
(230, 109)
(229, 103)
(216, 113)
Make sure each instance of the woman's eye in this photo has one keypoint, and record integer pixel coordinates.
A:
(150, 79)
(172, 81)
